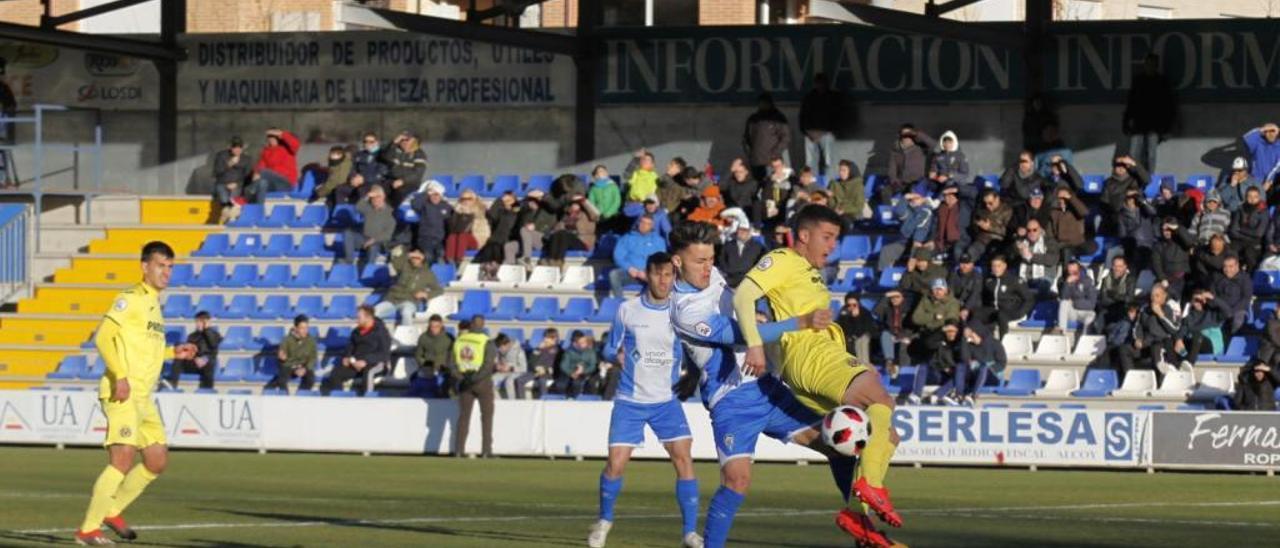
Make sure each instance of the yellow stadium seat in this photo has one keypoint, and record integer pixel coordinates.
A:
(176, 211)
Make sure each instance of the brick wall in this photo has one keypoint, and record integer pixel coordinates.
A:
(27, 12)
(726, 12)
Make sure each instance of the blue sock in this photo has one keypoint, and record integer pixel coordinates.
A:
(842, 469)
(687, 498)
(724, 505)
(609, 491)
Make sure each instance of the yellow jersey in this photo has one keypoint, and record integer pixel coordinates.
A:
(794, 288)
(140, 344)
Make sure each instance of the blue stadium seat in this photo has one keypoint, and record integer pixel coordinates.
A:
(1099, 254)
(275, 392)
(177, 306)
(1162, 178)
(1045, 314)
(213, 246)
(246, 245)
(263, 369)
(472, 182)
(312, 216)
(1263, 311)
(341, 307)
(539, 181)
(240, 307)
(344, 216)
(869, 186)
(94, 371)
(281, 216)
(474, 302)
(445, 273)
(250, 215)
(235, 370)
(541, 310)
(241, 276)
(1191, 407)
(270, 337)
(307, 184)
(181, 273)
(213, 304)
(444, 179)
(70, 367)
(508, 309)
(341, 275)
(855, 248)
(278, 245)
(1151, 407)
(1097, 383)
(1239, 350)
(308, 276)
(274, 307)
(337, 338)
(1201, 181)
(1152, 190)
(237, 337)
(554, 397)
(311, 245)
(578, 309)
(889, 278)
(375, 276)
(405, 214)
(905, 381)
(310, 305)
(275, 276)
(515, 334)
(885, 217)
(1034, 406)
(1022, 382)
(858, 278)
(1093, 183)
(503, 184)
(608, 309)
(588, 397)
(1266, 282)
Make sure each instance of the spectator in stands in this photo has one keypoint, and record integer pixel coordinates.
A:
(819, 119)
(923, 269)
(1202, 328)
(896, 331)
(767, 136)
(1035, 208)
(471, 365)
(1156, 333)
(1182, 206)
(575, 231)
(1256, 387)
(966, 285)
(939, 309)
(1213, 220)
(1120, 351)
(631, 252)
(297, 357)
(1235, 289)
(511, 371)
(1233, 189)
(990, 223)
(988, 358)
(1005, 297)
(1208, 262)
(1264, 147)
(781, 237)
(351, 191)
(680, 194)
(949, 364)
(545, 359)
(1054, 147)
(373, 238)
(604, 193)
(1150, 111)
(661, 219)
(915, 215)
(432, 350)
(908, 162)
(671, 188)
(339, 171)
(415, 284)
(467, 228)
(1126, 175)
(640, 177)
(1249, 227)
(1018, 182)
(1135, 227)
(205, 362)
(950, 222)
(231, 170)
(367, 355)
(709, 208)
(950, 164)
(1119, 289)
(742, 190)
(564, 190)
(432, 212)
(503, 245)
(407, 166)
(1170, 257)
(776, 191)
(277, 167)
(849, 194)
(368, 161)
(1062, 172)
(739, 255)
(858, 327)
(1039, 258)
(535, 222)
(1067, 221)
(577, 365)
(1079, 299)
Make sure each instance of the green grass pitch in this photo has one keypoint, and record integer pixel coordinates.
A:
(247, 499)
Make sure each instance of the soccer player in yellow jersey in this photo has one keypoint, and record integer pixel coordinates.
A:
(814, 363)
(130, 340)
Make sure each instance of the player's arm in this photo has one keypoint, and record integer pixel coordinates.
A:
(720, 329)
(617, 332)
(744, 306)
(110, 346)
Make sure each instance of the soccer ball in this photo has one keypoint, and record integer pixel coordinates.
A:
(846, 429)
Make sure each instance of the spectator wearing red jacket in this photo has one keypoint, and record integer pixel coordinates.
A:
(277, 168)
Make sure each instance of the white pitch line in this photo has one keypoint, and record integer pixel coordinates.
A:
(1100, 506)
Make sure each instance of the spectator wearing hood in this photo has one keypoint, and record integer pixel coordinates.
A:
(640, 178)
(1149, 112)
(915, 214)
(433, 212)
(1235, 289)
(908, 162)
(739, 255)
(1249, 227)
(604, 193)
(1171, 258)
(740, 189)
(766, 136)
(1018, 182)
(1264, 147)
(1234, 188)
(407, 167)
(1213, 220)
(631, 252)
(848, 193)
(950, 164)
(858, 326)
(1078, 299)
(1256, 387)
(819, 118)
(1126, 175)
(1005, 297)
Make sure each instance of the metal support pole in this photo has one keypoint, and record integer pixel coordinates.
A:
(39, 179)
(587, 61)
(173, 21)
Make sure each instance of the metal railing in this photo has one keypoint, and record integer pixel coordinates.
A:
(15, 251)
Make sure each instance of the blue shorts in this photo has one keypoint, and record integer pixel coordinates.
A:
(626, 425)
(765, 407)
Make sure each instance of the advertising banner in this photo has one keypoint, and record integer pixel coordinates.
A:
(76, 78)
(1217, 440)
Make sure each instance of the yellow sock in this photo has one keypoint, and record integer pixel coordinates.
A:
(137, 480)
(876, 455)
(104, 491)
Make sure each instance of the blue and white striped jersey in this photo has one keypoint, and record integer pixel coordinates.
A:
(704, 321)
(651, 351)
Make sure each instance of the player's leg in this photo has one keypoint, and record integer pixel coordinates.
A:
(626, 432)
(121, 459)
(155, 458)
(735, 479)
(866, 392)
(669, 424)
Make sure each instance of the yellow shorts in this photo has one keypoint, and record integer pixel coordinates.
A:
(819, 371)
(135, 422)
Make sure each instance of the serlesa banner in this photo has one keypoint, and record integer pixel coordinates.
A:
(1217, 440)
(1205, 60)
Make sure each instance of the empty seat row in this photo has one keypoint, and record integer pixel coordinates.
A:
(1101, 383)
(271, 307)
(274, 276)
(273, 246)
(540, 309)
(281, 216)
(574, 278)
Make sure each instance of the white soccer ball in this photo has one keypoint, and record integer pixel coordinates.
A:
(846, 429)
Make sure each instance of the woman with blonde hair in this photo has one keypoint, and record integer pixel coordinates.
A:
(468, 228)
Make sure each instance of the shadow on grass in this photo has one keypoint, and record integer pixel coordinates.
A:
(508, 536)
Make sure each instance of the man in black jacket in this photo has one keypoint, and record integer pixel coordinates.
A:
(1256, 387)
(1235, 288)
(1149, 111)
(368, 354)
(1005, 297)
(205, 363)
(858, 326)
(819, 119)
(739, 255)
(1170, 257)
(1119, 289)
(1126, 175)
(741, 190)
(966, 285)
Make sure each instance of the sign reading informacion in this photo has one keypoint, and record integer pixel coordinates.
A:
(1216, 440)
(366, 70)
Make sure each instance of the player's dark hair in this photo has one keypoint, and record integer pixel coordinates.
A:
(687, 234)
(300, 319)
(814, 214)
(156, 247)
(656, 261)
(202, 315)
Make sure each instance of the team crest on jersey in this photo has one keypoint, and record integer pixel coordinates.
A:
(703, 329)
(765, 263)
(121, 304)
(728, 442)
(125, 431)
